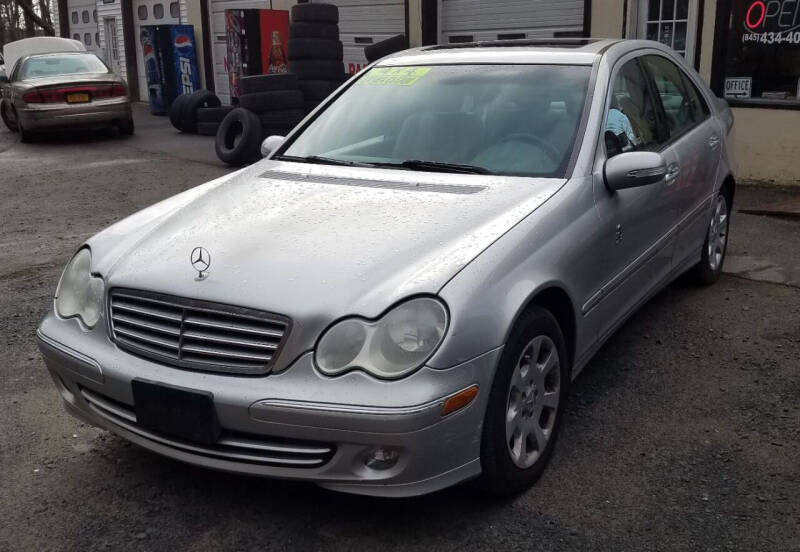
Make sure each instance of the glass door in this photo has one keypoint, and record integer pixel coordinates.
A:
(111, 46)
(671, 22)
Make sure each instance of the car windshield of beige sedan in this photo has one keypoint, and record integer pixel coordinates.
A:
(65, 64)
(514, 120)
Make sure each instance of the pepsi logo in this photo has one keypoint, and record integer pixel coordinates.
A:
(183, 41)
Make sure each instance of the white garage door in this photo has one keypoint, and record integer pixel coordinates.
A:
(151, 12)
(471, 20)
(83, 24)
(364, 22)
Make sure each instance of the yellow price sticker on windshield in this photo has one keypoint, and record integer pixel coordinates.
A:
(400, 76)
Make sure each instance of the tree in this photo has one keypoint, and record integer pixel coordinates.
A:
(32, 17)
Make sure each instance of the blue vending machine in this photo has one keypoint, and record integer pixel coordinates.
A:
(170, 64)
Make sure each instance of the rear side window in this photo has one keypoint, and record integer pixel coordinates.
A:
(680, 101)
(631, 113)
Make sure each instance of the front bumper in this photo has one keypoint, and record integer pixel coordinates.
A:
(50, 116)
(298, 410)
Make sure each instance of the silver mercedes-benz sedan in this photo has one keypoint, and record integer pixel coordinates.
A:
(397, 299)
(63, 90)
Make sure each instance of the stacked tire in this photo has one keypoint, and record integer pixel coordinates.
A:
(276, 99)
(315, 51)
(185, 110)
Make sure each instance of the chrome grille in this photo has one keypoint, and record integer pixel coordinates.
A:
(194, 334)
(234, 446)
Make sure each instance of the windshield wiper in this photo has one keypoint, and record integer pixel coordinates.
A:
(437, 166)
(319, 159)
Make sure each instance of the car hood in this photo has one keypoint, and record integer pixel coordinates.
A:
(315, 242)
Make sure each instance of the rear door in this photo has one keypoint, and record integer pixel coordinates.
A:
(636, 223)
(696, 139)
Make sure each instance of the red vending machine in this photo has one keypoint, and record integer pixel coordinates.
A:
(256, 44)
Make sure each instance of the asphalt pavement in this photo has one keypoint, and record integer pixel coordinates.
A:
(683, 433)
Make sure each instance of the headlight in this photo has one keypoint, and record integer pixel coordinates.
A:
(79, 293)
(390, 347)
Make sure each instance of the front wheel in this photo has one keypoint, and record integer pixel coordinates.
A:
(525, 405)
(709, 268)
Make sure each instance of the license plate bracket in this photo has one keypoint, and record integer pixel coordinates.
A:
(187, 414)
(78, 97)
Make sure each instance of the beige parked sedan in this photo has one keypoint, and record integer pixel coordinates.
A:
(63, 90)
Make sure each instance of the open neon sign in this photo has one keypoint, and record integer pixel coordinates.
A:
(777, 15)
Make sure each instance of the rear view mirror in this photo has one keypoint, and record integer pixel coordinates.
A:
(634, 169)
(270, 144)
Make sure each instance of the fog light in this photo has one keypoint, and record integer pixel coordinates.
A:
(382, 458)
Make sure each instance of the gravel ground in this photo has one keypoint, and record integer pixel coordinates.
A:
(683, 433)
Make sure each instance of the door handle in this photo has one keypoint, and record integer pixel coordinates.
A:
(673, 170)
(713, 142)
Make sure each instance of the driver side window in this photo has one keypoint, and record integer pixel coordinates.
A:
(631, 116)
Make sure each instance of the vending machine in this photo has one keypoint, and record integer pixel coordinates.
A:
(170, 64)
(257, 41)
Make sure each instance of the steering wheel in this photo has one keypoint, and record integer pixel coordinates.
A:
(551, 152)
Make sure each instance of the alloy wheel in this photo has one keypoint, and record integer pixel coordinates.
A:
(718, 233)
(532, 405)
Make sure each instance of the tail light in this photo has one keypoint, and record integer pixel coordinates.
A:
(59, 95)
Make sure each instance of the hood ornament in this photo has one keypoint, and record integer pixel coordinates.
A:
(201, 261)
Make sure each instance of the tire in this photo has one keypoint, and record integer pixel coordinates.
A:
(502, 473)
(8, 120)
(126, 127)
(707, 271)
(383, 48)
(176, 112)
(323, 13)
(287, 118)
(239, 137)
(329, 31)
(315, 48)
(195, 101)
(212, 114)
(312, 69)
(316, 90)
(208, 128)
(268, 83)
(272, 101)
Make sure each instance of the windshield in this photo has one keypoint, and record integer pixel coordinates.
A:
(68, 64)
(516, 120)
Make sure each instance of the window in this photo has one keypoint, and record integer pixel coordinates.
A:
(94, 16)
(97, 38)
(174, 10)
(75, 17)
(762, 58)
(77, 37)
(85, 16)
(671, 22)
(677, 103)
(631, 114)
(158, 11)
(513, 120)
(87, 39)
(112, 49)
(51, 65)
(142, 13)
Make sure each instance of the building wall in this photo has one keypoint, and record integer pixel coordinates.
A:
(764, 141)
(191, 14)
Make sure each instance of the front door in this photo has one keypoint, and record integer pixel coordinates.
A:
(696, 138)
(671, 22)
(111, 54)
(635, 223)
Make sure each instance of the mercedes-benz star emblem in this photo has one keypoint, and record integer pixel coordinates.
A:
(201, 261)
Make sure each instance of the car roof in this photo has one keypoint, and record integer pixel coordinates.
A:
(575, 51)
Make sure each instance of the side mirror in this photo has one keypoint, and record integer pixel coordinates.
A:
(634, 169)
(270, 144)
